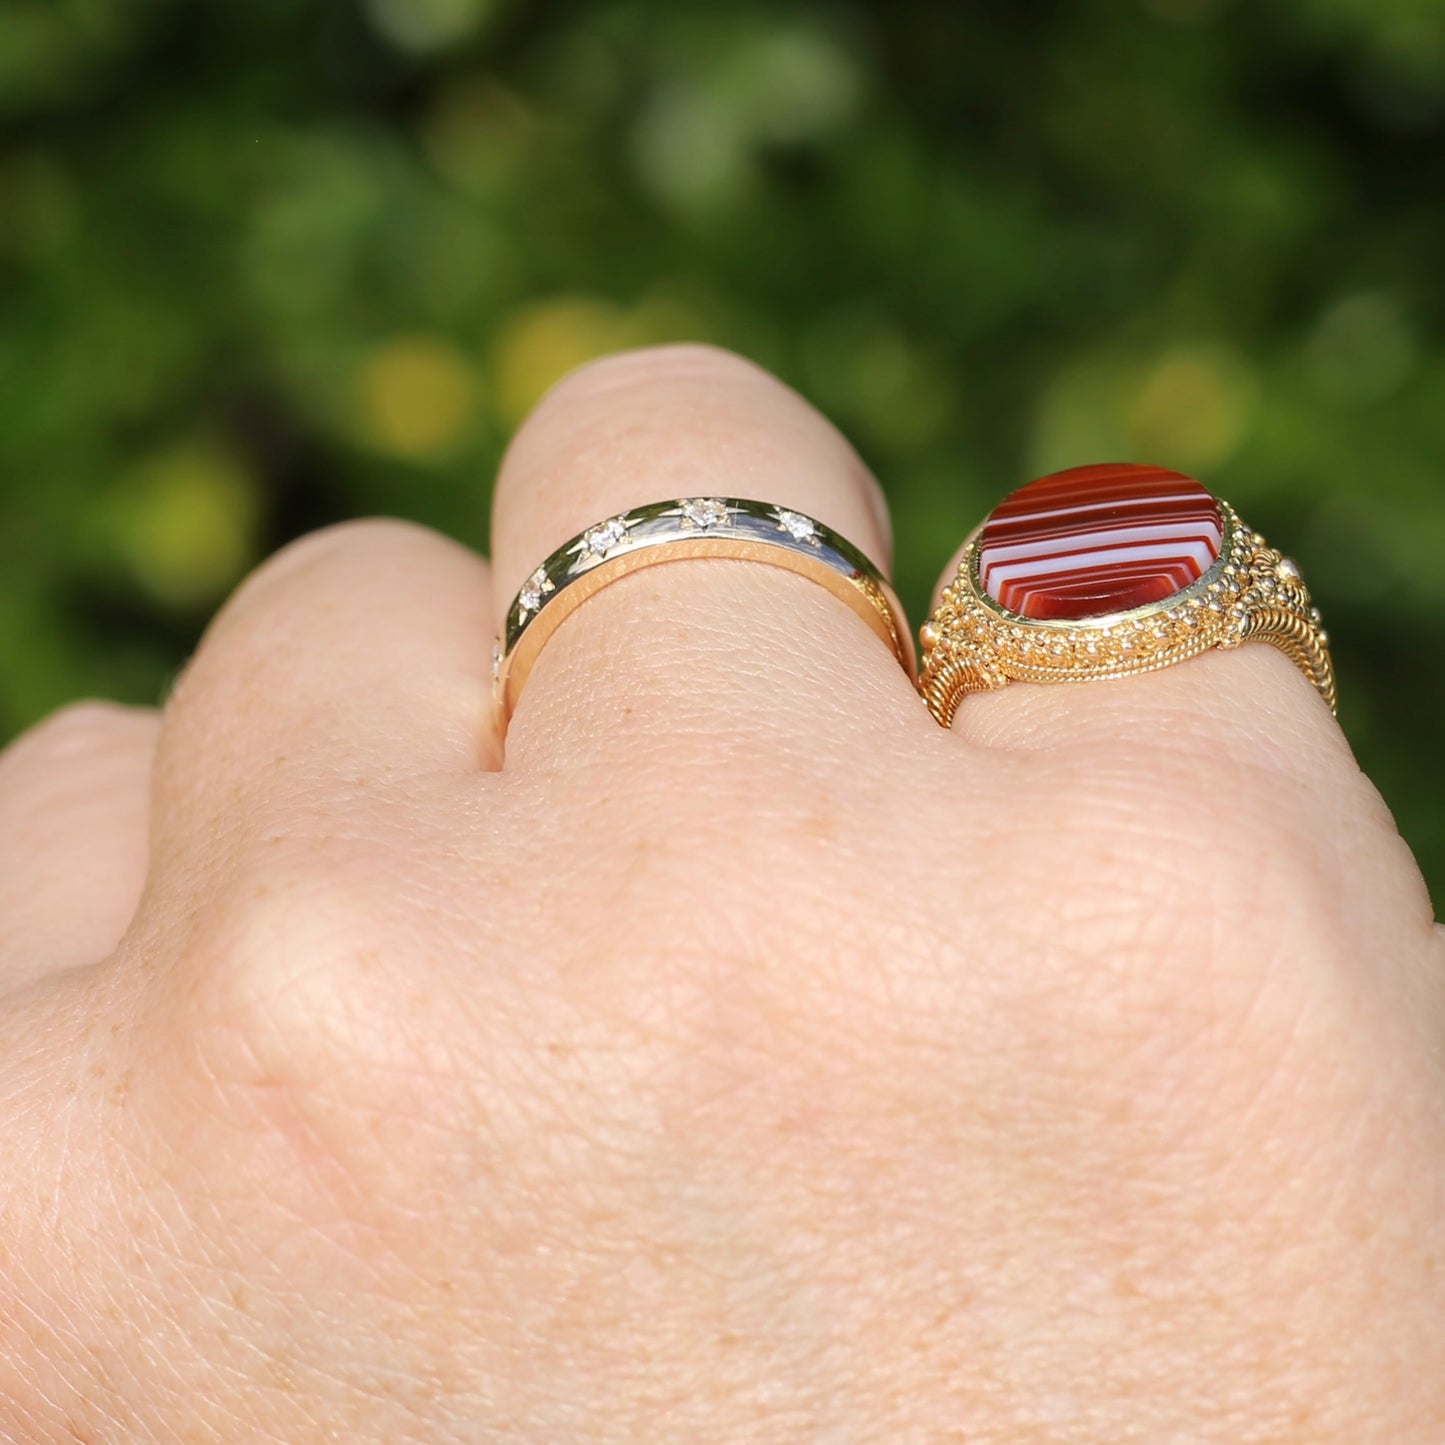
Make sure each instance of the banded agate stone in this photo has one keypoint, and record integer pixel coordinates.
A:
(1096, 540)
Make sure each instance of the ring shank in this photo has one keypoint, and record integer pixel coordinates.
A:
(661, 533)
(1303, 642)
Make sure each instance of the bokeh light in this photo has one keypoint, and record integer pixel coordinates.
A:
(428, 25)
(186, 521)
(416, 397)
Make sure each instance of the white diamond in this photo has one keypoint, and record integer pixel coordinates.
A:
(1288, 567)
(703, 512)
(797, 526)
(529, 599)
(600, 540)
(496, 663)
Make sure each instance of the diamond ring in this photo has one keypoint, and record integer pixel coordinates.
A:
(1109, 571)
(670, 531)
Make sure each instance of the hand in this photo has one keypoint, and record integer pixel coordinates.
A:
(746, 1059)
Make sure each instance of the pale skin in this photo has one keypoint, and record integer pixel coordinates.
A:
(742, 1057)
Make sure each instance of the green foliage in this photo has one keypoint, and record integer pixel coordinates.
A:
(267, 265)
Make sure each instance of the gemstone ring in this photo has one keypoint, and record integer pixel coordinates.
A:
(671, 531)
(1109, 571)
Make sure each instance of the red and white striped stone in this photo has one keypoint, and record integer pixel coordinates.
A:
(1096, 540)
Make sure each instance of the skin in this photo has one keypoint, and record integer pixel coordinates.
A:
(743, 1059)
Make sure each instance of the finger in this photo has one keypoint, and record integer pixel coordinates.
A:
(354, 664)
(74, 808)
(694, 646)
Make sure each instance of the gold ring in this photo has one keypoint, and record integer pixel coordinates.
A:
(671, 531)
(1110, 571)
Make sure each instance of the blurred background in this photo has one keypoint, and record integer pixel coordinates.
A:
(268, 265)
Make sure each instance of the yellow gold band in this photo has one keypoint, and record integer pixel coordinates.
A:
(673, 531)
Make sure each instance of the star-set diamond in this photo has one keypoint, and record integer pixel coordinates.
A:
(703, 512)
(534, 589)
(797, 526)
(598, 541)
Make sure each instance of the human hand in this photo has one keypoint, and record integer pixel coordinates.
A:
(746, 1059)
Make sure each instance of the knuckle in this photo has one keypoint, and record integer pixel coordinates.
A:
(292, 970)
(1162, 937)
(78, 734)
(80, 726)
(633, 398)
(299, 562)
(324, 570)
(632, 424)
(644, 366)
(317, 1025)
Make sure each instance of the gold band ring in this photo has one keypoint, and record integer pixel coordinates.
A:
(1110, 571)
(671, 531)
